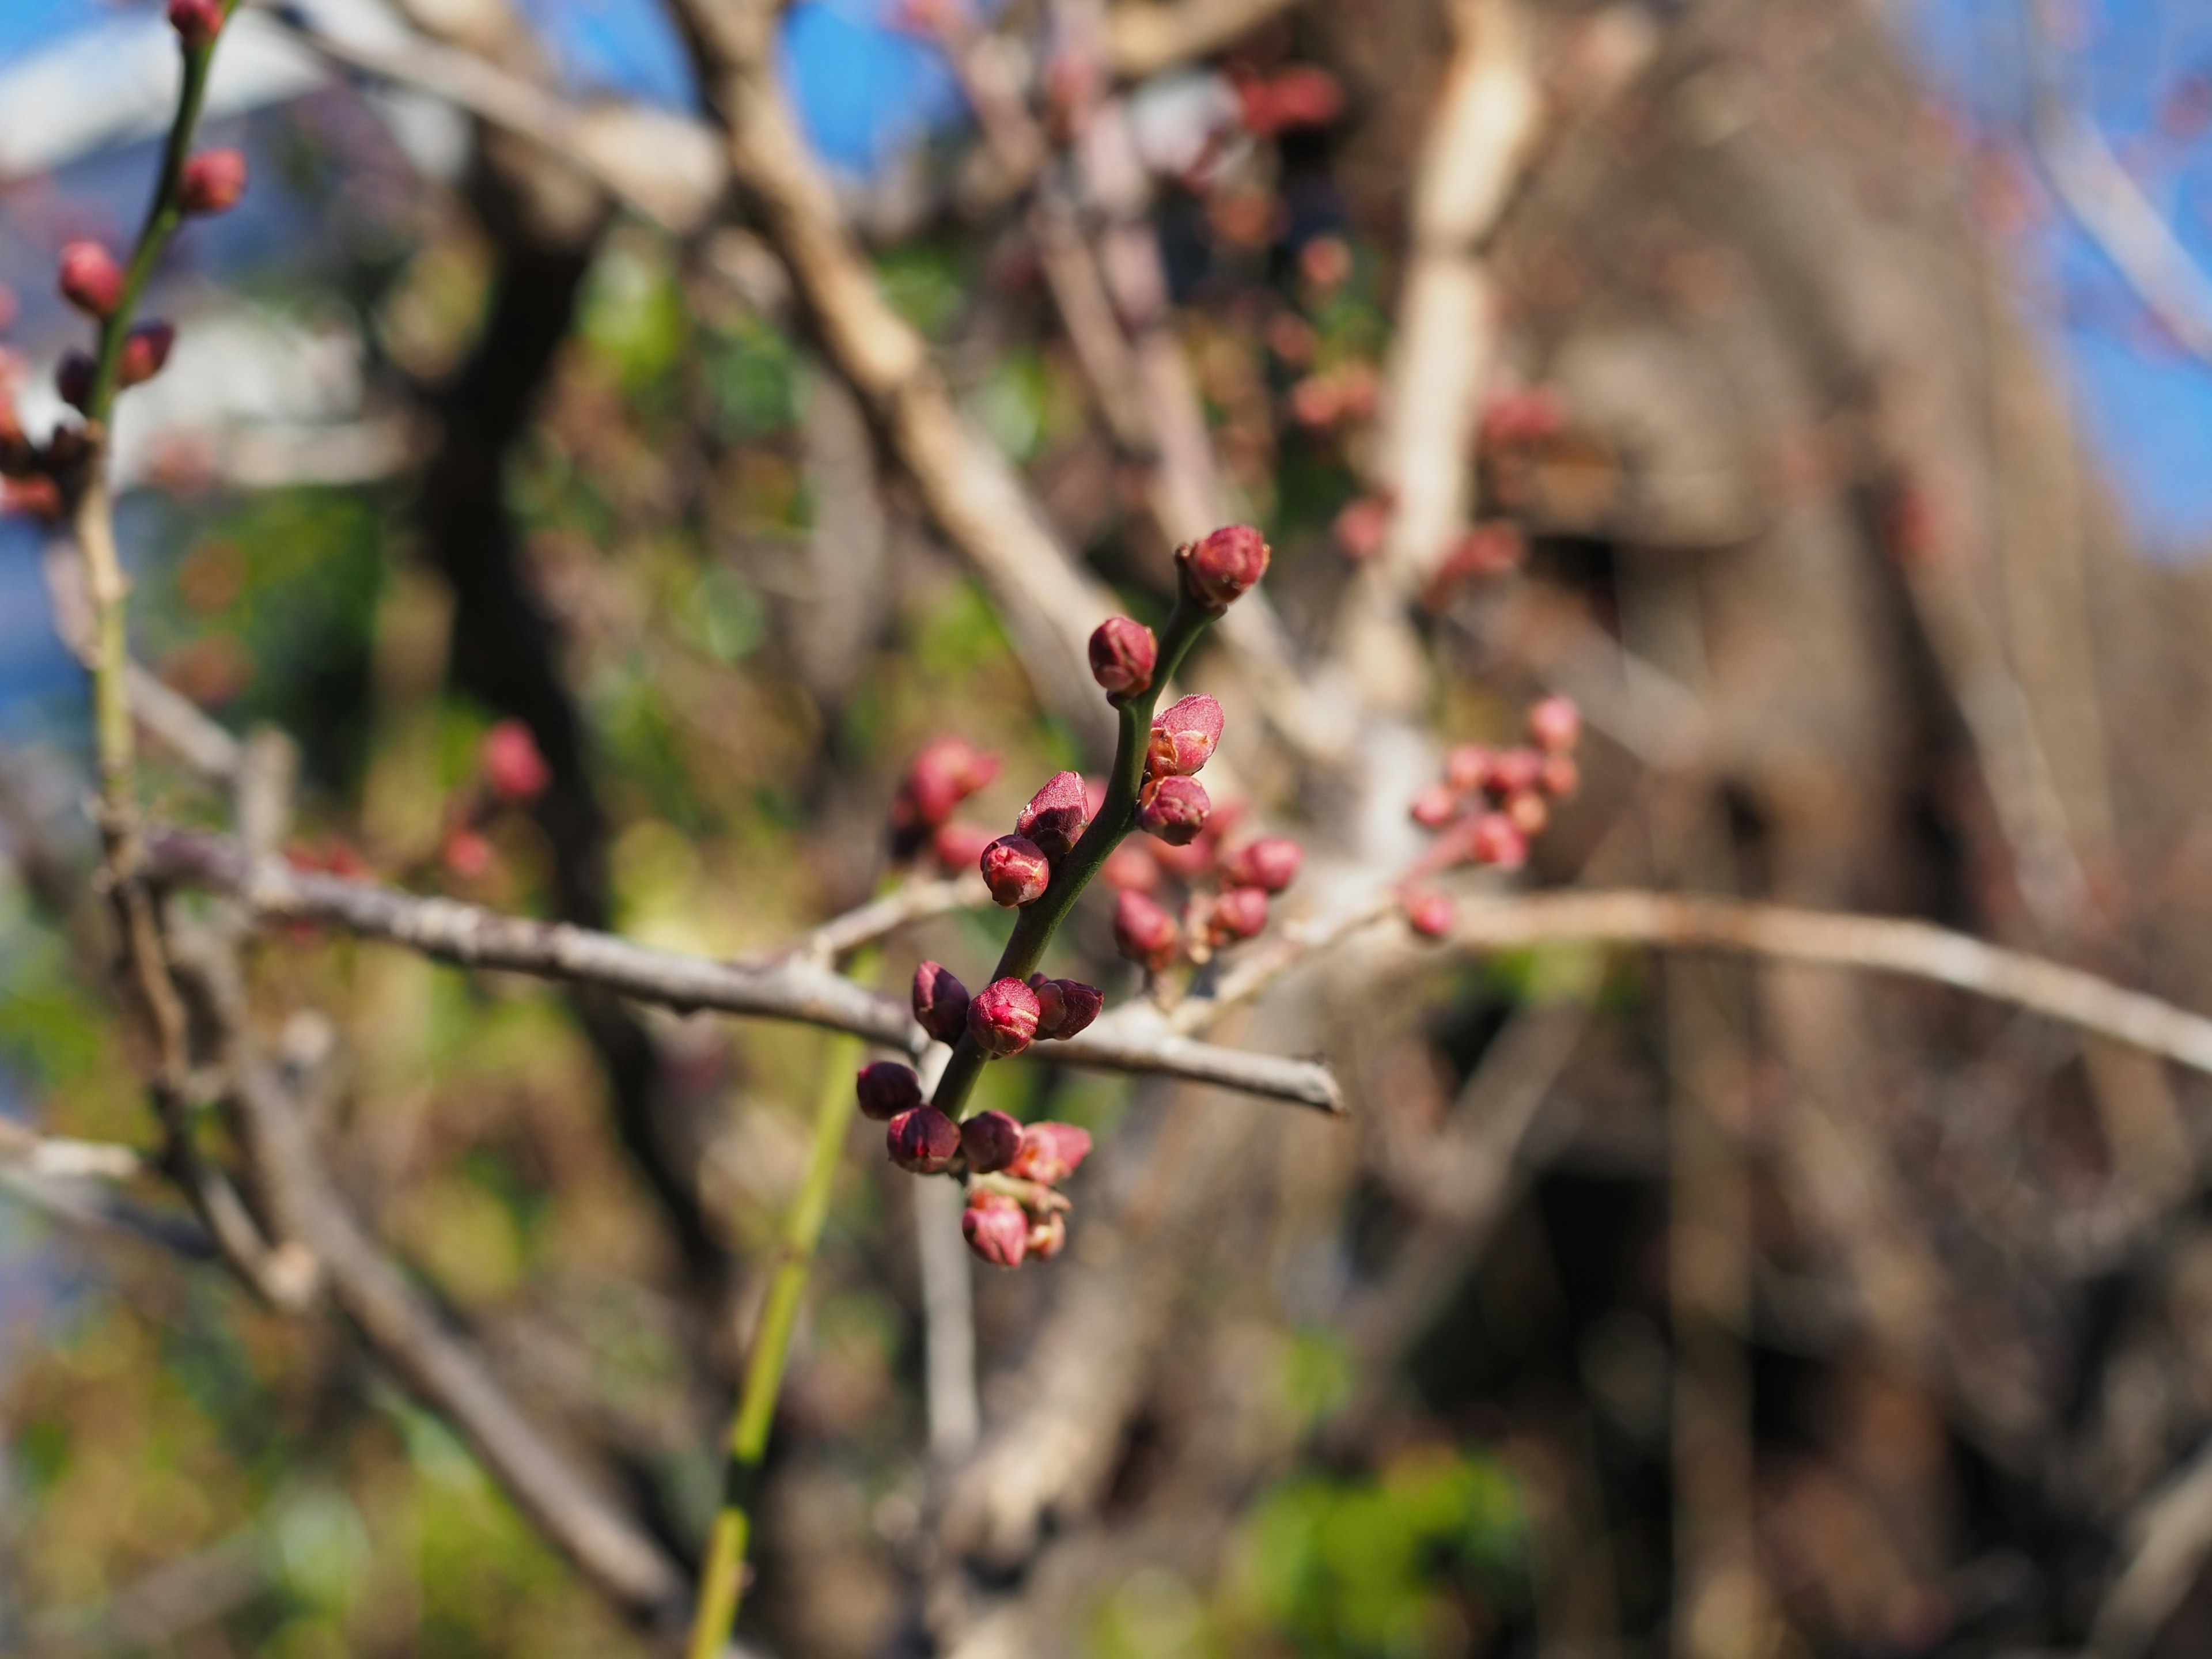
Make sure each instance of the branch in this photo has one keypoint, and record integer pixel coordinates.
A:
(1146, 37)
(917, 901)
(2169, 1540)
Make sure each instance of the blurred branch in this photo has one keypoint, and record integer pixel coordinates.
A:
(1147, 36)
(2168, 1541)
(916, 901)
(54, 1158)
(182, 729)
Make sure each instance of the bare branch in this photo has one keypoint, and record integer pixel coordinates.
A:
(917, 901)
(1146, 37)
(54, 1158)
(2168, 1541)
(176, 723)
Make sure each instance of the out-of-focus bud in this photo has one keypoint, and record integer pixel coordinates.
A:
(467, 854)
(886, 1089)
(1048, 1237)
(1562, 777)
(1184, 737)
(195, 21)
(1131, 868)
(959, 846)
(1064, 1006)
(1516, 770)
(1468, 767)
(1174, 809)
(1218, 569)
(990, 1140)
(1057, 814)
(1270, 864)
(1431, 914)
(1239, 913)
(34, 498)
(212, 181)
(1525, 416)
(1016, 871)
(1123, 653)
(940, 1002)
(996, 1228)
(1050, 1153)
(1143, 932)
(145, 349)
(1326, 262)
(1316, 401)
(1555, 724)
(512, 764)
(922, 1141)
(1002, 1017)
(1529, 812)
(1494, 838)
(1435, 806)
(73, 378)
(945, 772)
(90, 279)
(1361, 528)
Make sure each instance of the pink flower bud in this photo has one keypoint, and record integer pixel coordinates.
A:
(1048, 1237)
(1494, 838)
(1174, 809)
(1003, 1017)
(1064, 1006)
(1435, 806)
(945, 772)
(940, 1002)
(212, 181)
(512, 765)
(886, 1089)
(1240, 913)
(73, 378)
(1562, 777)
(145, 349)
(32, 498)
(1361, 528)
(90, 279)
(1131, 868)
(922, 1141)
(996, 1229)
(990, 1140)
(1123, 653)
(1529, 812)
(1468, 767)
(1057, 814)
(1184, 737)
(195, 21)
(1515, 770)
(1050, 1153)
(1143, 932)
(1218, 569)
(1555, 723)
(1270, 864)
(959, 846)
(467, 854)
(1016, 871)
(1430, 914)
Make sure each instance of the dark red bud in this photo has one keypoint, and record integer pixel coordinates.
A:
(945, 772)
(212, 181)
(1435, 806)
(1184, 737)
(1495, 838)
(195, 21)
(1123, 653)
(1240, 913)
(940, 1002)
(90, 279)
(1271, 863)
(1003, 1017)
(1016, 871)
(1050, 1153)
(1057, 814)
(922, 1141)
(1430, 914)
(1218, 569)
(1064, 1006)
(1143, 932)
(1555, 724)
(1131, 868)
(996, 1229)
(512, 764)
(145, 349)
(1174, 809)
(990, 1140)
(886, 1089)
(1562, 777)
(959, 846)
(73, 378)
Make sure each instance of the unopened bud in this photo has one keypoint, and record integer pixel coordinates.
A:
(990, 1140)
(1064, 1006)
(1435, 806)
(1494, 838)
(1016, 871)
(1050, 1153)
(886, 1089)
(1241, 913)
(945, 772)
(1003, 1017)
(1123, 653)
(1057, 814)
(1529, 812)
(1516, 769)
(145, 351)
(1468, 767)
(513, 766)
(996, 1228)
(212, 181)
(1430, 914)
(1184, 737)
(959, 846)
(1218, 569)
(1174, 809)
(1143, 932)
(1562, 777)
(1131, 868)
(1048, 1237)
(1270, 864)
(195, 21)
(90, 279)
(1555, 724)
(73, 378)
(922, 1141)
(940, 1002)
(34, 498)
(468, 855)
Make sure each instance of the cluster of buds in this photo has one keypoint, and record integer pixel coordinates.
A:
(1491, 804)
(511, 772)
(945, 772)
(1226, 893)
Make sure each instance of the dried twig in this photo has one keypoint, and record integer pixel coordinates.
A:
(1146, 37)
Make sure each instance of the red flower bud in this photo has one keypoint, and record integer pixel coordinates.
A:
(1468, 767)
(1494, 838)
(1271, 863)
(886, 1089)
(1050, 1153)
(1522, 417)
(1218, 569)
(467, 854)
(212, 181)
(1515, 770)
(145, 349)
(1555, 723)
(1143, 932)
(1016, 871)
(959, 846)
(922, 1141)
(195, 21)
(1430, 914)
(940, 1002)
(1562, 777)
(512, 765)
(1240, 913)
(945, 772)
(1174, 809)
(1131, 868)
(90, 279)
(73, 378)
(1123, 653)
(1529, 812)
(1361, 528)
(34, 498)
(1184, 737)
(1003, 1017)
(990, 1140)
(1048, 1237)
(1435, 806)
(1064, 1006)
(1057, 814)
(996, 1229)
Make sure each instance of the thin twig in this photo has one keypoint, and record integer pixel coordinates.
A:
(916, 901)
(1146, 37)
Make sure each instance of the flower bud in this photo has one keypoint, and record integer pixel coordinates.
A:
(1361, 528)
(1435, 806)
(1554, 724)
(1057, 814)
(1050, 1153)
(886, 1089)
(990, 1140)
(34, 498)
(468, 855)
(512, 764)
(1218, 569)
(145, 349)
(1494, 838)
(1184, 737)
(940, 1002)
(1561, 778)
(1016, 871)
(195, 21)
(959, 846)
(1240, 913)
(1515, 770)
(73, 378)
(1270, 864)
(996, 1229)
(1064, 1006)
(1174, 809)
(1143, 932)
(1131, 868)
(1048, 1237)
(1468, 767)
(212, 181)
(1529, 812)
(1123, 654)
(922, 1141)
(90, 279)
(945, 772)
(1003, 1017)
(1430, 914)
